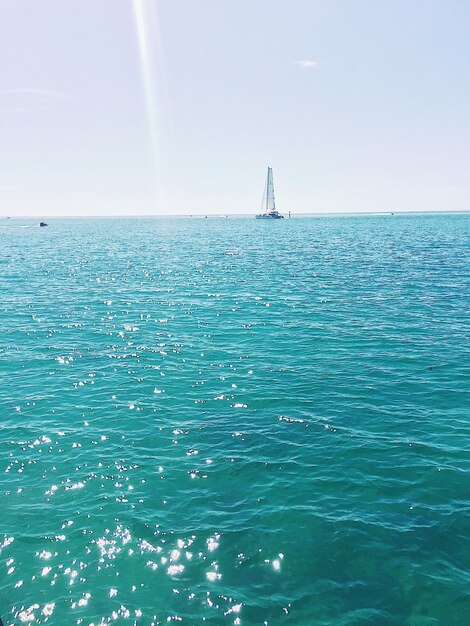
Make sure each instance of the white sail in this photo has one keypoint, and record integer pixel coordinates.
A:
(268, 203)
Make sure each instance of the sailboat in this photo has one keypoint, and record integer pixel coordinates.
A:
(268, 204)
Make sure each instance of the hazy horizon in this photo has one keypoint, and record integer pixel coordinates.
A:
(162, 215)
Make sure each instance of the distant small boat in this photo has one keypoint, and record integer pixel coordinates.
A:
(268, 204)
(42, 224)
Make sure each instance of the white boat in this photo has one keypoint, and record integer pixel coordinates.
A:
(268, 204)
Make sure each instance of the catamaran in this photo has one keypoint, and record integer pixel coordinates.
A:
(268, 204)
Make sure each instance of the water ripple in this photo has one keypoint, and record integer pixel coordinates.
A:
(235, 423)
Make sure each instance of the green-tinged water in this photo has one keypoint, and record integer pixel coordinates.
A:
(231, 421)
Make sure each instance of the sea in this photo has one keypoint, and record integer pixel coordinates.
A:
(227, 421)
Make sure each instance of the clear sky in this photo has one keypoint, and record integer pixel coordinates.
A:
(179, 106)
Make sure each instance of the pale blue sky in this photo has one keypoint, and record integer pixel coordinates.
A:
(376, 118)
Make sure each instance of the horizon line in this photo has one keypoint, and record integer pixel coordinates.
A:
(228, 215)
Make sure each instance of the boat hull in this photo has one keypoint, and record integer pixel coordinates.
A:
(270, 217)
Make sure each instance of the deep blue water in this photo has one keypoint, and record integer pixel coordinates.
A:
(229, 421)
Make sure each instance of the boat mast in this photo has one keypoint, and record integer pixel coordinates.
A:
(267, 192)
(272, 191)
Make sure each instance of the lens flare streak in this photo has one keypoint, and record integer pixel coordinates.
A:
(147, 35)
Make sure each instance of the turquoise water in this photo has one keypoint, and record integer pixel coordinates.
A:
(229, 421)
